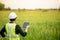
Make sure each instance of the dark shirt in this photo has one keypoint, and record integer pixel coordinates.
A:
(18, 30)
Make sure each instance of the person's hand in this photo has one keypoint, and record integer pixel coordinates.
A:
(27, 27)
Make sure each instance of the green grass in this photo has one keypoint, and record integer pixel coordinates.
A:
(43, 25)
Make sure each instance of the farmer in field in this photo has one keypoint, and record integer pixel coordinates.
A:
(13, 30)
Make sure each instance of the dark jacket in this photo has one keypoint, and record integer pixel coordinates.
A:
(18, 30)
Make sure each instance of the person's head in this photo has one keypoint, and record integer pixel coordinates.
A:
(12, 16)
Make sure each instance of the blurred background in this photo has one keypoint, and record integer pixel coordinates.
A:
(43, 15)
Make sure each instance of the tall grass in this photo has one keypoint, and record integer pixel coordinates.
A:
(43, 25)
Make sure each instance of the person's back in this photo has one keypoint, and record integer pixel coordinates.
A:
(13, 30)
(10, 29)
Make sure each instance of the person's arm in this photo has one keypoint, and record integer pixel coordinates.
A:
(19, 30)
(2, 31)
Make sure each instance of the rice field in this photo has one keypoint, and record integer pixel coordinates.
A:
(43, 25)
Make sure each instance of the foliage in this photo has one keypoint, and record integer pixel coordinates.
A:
(1, 6)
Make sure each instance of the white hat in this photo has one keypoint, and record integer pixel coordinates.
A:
(12, 15)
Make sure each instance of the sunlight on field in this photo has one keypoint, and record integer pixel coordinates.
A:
(43, 25)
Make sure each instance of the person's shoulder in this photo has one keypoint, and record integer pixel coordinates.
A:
(17, 25)
(7, 23)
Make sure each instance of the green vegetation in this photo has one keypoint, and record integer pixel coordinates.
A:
(43, 25)
(1, 6)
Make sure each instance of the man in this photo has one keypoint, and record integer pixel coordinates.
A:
(13, 30)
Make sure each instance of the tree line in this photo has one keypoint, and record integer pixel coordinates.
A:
(2, 7)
